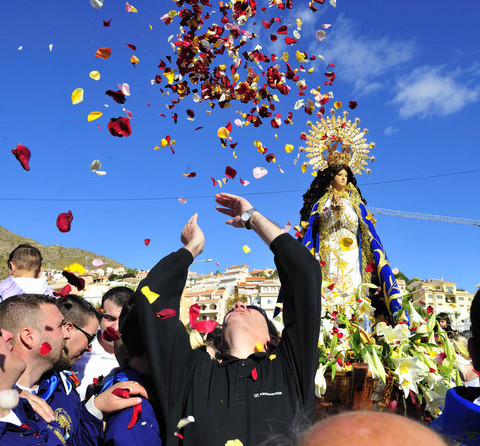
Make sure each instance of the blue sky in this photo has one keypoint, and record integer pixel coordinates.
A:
(413, 68)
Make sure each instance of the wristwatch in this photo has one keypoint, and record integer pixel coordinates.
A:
(246, 216)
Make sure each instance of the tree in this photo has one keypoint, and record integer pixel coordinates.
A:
(234, 298)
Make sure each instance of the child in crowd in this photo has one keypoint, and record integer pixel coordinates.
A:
(25, 266)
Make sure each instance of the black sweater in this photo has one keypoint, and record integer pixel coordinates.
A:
(223, 397)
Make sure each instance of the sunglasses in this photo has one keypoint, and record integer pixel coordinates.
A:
(90, 338)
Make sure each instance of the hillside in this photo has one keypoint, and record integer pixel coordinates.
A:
(54, 256)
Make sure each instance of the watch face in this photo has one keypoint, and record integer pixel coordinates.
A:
(245, 216)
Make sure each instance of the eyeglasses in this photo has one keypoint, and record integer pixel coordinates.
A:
(90, 338)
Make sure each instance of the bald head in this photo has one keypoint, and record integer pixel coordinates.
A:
(372, 429)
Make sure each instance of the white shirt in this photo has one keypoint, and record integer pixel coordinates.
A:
(93, 364)
(12, 418)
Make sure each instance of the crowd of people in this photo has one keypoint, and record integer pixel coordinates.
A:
(127, 375)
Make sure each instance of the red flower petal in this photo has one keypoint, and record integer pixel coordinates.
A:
(110, 335)
(120, 127)
(193, 313)
(353, 104)
(146, 241)
(166, 313)
(122, 393)
(103, 53)
(67, 289)
(282, 30)
(45, 349)
(322, 263)
(117, 96)
(331, 286)
(254, 374)
(270, 157)
(72, 279)
(370, 267)
(230, 172)
(290, 41)
(214, 181)
(131, 46)
(136, 415)
(64, 220)
(107, 22)
(22, 154)
(205, 326)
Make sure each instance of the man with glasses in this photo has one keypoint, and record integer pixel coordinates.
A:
(50, 333)
(259, 385)
(100, 359)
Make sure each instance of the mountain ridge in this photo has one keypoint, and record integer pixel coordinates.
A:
(54, 256)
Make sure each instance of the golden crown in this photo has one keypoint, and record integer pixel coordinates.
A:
(334, 140)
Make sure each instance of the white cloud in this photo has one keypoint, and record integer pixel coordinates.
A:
(389, 131)
(363, 59)
(429, 91)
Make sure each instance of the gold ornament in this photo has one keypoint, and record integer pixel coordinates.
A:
(334, 140)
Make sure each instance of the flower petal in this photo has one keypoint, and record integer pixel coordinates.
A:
(77, 96)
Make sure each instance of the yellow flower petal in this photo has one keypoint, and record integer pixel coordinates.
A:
(134, 59)
(289, 148)
(163, 143)
(77, 96)
(258, 347)
(285, 56)
(235, 156)
(170, 76)
(234, 443)
(246, 249)
(94, 115)
(272, 357)
(156, 148)
(95, 75)
(337, 104)
(304, 168)
(150, 295)
(301, 57)
(223, 132)
(75, 268)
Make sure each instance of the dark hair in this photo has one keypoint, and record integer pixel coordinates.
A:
(22, 311)
(319, 186)
(77, 310)
(475, 316)
(129, 329)
(26, 257)
(120, 295)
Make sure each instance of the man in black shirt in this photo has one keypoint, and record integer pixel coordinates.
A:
(251, 392)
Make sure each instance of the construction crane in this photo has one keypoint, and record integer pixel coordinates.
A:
(419, 216)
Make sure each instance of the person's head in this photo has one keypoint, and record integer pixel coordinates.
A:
(324, 179)
(474, 341)
(248, 326)
(112, 303)
(81, 321)
(11, 365)
(369, 429)
(25, 261)
(443, 320)
(38, 328)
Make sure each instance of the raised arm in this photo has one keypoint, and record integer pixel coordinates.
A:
(157, 301)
